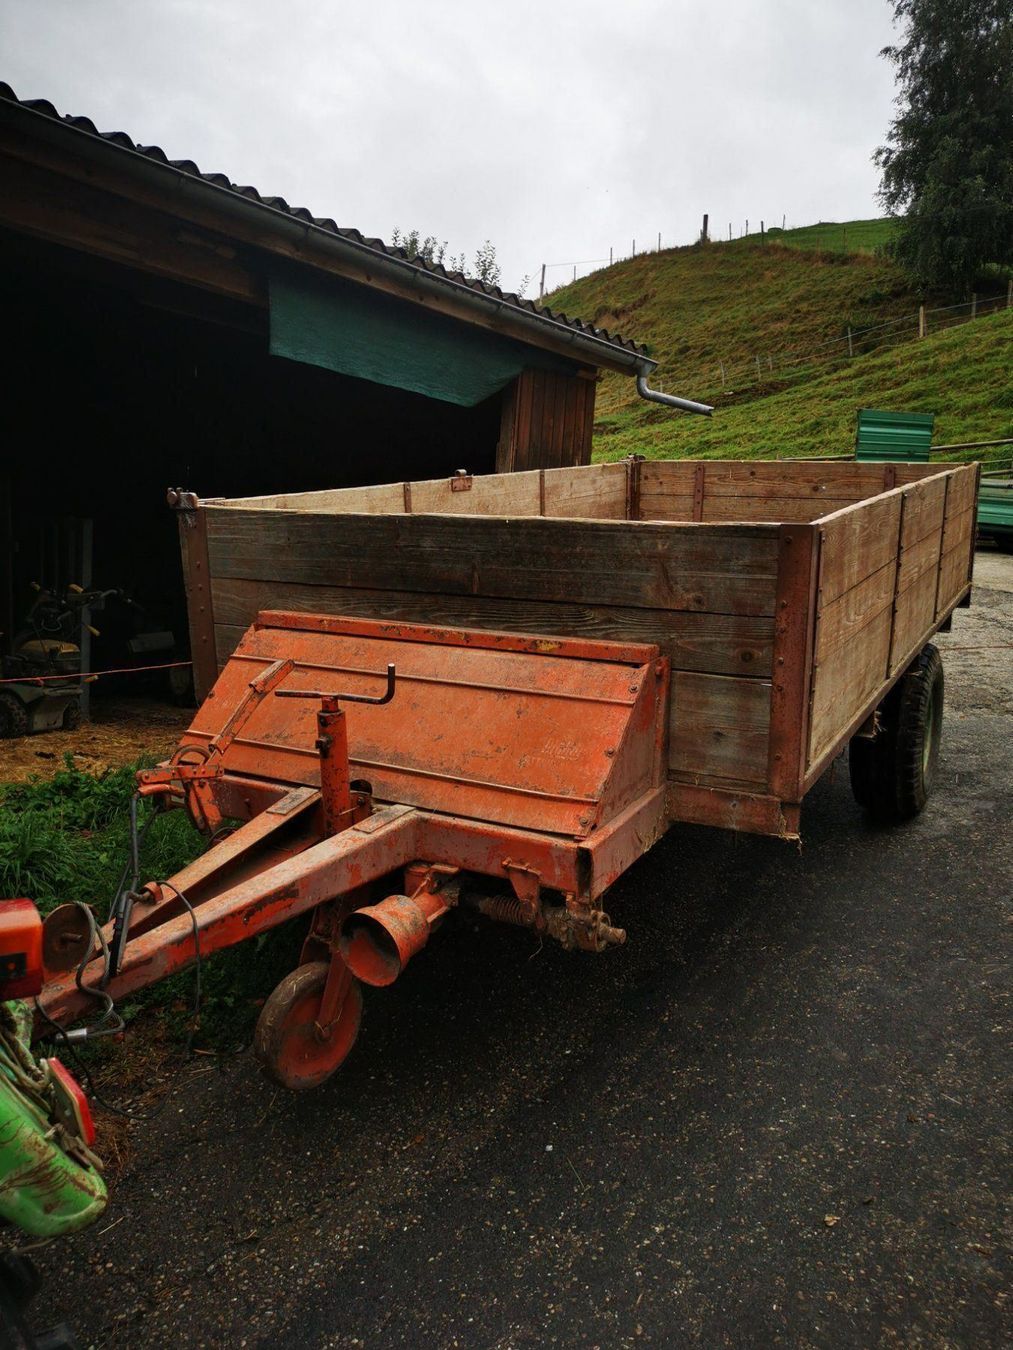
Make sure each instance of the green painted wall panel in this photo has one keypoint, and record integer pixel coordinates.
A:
(356, 331)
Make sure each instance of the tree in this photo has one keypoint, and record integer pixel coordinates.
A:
(430, 250)
(948, 164)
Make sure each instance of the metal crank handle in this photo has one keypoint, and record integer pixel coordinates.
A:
(344, 698)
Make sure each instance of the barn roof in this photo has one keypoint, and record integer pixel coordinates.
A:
(585, 336)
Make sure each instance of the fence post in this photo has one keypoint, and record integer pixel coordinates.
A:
(659, 241)
(921, 321)
(783, 219)
(704, 233)
(1009, 294)
(575, 271)
(974, 305)
(762, 240)
(730, 240)
(723, 380)
(610, 255)
(851, 350)
(541, 284)
(634, 248)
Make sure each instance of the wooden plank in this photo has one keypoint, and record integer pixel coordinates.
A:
(586, 432)
(785, 478)
(752, 813)
(666, 489)
(594, 492)
(506, 446)
(721, 644)
(525, 398)
(719, 727)
(857, 542)
(914, 473)
(821, 762)
(958, 528)
(924, 504)
(843, 619)
(193, 543)
(953, 575)
(382, 499)
(846, 683)
(915, 610)
(963, 490)
(773, 509)
(792, 660)
(709, 568)
(918, 558)
(507, 494)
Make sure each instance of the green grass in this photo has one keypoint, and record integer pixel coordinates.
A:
(962, 375)
(67, 838)
(850, 236)
(707, 313)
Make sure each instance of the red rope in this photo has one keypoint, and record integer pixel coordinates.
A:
(96, 674)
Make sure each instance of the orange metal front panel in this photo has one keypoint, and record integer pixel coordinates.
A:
(480, 726)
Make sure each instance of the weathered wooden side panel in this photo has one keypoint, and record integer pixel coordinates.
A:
(719, 644)
(705, 595)
(890, 569)
(592, 492)
(719, 729)
(718, 570)
(666, 489)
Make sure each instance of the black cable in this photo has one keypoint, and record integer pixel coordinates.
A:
(195, 1015)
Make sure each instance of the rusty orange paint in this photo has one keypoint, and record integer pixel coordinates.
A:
(538, 763)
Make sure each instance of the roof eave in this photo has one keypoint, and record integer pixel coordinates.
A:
(537, 328)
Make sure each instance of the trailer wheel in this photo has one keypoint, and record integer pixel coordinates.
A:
(892, 775)
(13, 716)
(287, 1042)
(72, 717)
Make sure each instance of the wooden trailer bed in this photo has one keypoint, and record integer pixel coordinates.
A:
(789, 596)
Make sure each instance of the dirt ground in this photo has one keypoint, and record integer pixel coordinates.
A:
(778, 1117)
(121, 731)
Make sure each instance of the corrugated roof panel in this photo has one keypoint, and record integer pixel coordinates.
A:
(222, 181)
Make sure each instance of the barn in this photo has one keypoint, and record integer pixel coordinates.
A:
(169, 327)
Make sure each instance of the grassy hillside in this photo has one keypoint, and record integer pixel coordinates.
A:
(760, 331)
(962, 375)
(851, 236)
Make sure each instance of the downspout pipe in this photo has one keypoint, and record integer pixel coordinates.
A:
(670, 400)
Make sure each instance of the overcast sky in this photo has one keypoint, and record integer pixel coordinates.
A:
(556, 128)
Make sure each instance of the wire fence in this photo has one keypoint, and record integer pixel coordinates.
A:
(734, 372)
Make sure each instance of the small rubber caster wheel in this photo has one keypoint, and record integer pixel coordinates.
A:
(288, 1042)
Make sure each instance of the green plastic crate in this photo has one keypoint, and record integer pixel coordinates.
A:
(894, 436)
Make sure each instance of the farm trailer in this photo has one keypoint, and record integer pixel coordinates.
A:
(501, 691)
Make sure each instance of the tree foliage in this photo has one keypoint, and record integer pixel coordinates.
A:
(431, 250)
(948, 163)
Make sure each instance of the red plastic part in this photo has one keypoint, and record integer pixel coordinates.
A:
(20, 949)
(73, 1107)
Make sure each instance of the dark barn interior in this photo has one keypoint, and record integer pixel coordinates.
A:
(170, 328)
(136, 385)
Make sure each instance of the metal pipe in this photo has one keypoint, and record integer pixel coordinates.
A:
(670, 400)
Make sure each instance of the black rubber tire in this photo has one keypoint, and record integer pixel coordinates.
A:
(72, 717)
(13, 716)
(892, 775)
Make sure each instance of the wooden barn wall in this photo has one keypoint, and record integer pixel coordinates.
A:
(547, 421)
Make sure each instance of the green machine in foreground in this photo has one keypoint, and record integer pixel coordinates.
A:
(50, 1179)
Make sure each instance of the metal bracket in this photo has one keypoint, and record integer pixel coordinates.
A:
(527, 885)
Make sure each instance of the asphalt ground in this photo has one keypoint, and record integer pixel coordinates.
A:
(779, 1116)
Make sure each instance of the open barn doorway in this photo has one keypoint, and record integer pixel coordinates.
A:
(121, 384)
